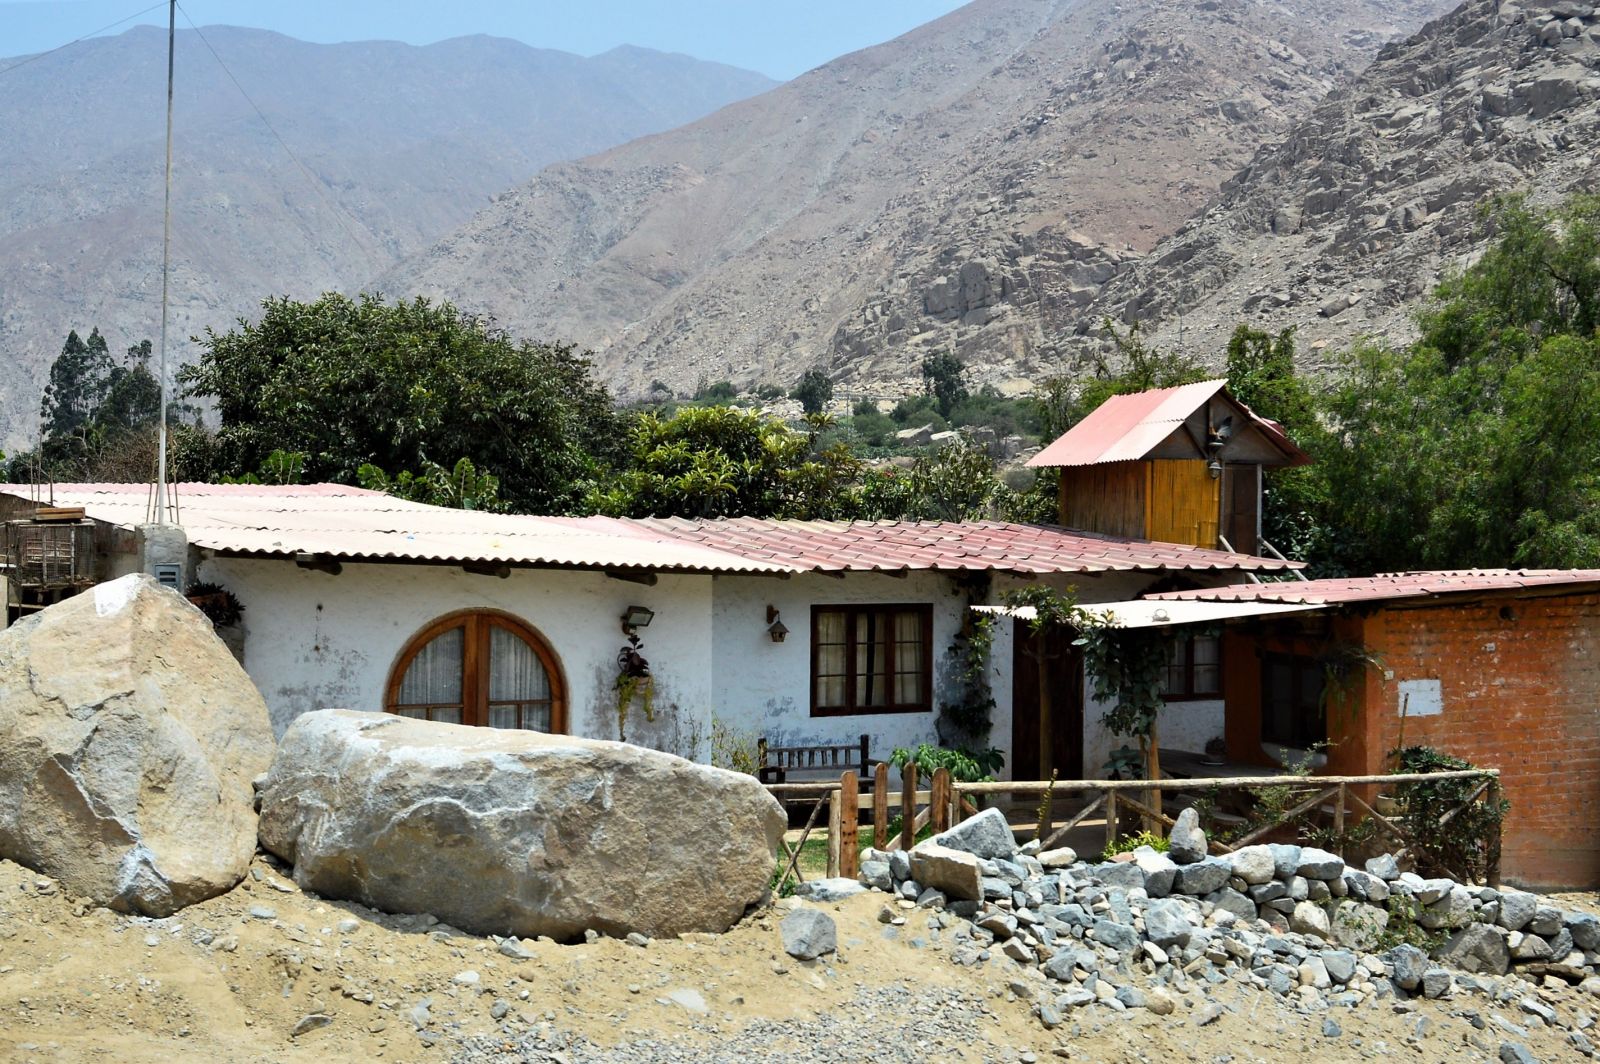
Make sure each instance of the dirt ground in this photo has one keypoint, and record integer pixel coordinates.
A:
(229, 980)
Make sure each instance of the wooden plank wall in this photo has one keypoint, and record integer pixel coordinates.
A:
(1109, 499)
(1184, 502)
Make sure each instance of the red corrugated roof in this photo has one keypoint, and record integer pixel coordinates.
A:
(834, 546)
(1126, 428)
(344, 522)
(1337, 591)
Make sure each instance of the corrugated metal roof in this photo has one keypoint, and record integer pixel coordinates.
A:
(344, 522)
(834, 546)
(352, 523)
(1150, 613)
(1337, 591)
(1126, 428)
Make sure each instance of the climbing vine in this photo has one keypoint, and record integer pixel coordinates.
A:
(1126, 666)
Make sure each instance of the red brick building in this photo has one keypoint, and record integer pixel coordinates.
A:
(1501, 668)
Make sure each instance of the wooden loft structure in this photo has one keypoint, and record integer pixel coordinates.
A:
(1179, 465)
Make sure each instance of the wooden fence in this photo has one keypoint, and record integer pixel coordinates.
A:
(946, 802)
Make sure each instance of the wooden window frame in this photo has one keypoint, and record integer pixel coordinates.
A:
(1189, 692)
(1301, 664)
(853, 612)
(477, 625)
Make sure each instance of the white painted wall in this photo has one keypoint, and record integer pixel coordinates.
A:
(763, 689)
(1181, 726)
(315, 641)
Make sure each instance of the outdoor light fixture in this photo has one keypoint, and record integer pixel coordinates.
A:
(1160, 615)
(775, 627)
(1214, 467)
(635, 617)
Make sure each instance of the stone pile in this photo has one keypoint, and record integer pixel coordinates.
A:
(1295, 921)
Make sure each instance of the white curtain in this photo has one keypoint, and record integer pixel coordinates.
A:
(830, 649)
(431, 688)
(517, 681)
(908, 656)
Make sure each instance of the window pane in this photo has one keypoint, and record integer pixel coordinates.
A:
(502, 716)
(536, 717)
(434, 675)
(872, 668)
(908, 656)
(1206, 649)
(1207, 680)
(447, 715)
(515, 672)
(831, 659)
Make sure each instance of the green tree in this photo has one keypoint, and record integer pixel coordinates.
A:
(1478, 444)
(944, 379)
(813, 391)
(406, 387)
(721, 461)
(79, 377)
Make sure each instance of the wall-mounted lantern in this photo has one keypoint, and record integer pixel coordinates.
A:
(636, 617)
(775, 627)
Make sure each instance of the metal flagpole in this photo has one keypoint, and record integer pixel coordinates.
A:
(166, 267)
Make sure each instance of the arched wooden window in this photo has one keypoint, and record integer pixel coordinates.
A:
(482, 668)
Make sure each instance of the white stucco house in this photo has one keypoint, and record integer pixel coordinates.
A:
(797, 632)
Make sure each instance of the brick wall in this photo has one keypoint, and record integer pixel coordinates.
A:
(1519, 690)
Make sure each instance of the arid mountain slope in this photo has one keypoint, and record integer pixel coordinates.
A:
(402, 143)
(1345, 226)
(965, 187)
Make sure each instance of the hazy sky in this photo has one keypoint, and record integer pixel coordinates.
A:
(777, 37)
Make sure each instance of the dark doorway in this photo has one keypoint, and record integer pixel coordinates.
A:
(1062, 666)
(1241, 503)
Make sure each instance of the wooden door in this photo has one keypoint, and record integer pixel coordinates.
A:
(1061, 664)
(1241, 499)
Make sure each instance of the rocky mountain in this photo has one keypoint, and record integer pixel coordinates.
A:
(1344, 226)
(393, 146)
(969, 186)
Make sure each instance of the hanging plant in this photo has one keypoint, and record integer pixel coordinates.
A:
(633, 681)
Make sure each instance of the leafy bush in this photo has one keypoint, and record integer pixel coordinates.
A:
(1468, 846)
(720, 391)
(1133, 842)
(813, 391)
(966, 766)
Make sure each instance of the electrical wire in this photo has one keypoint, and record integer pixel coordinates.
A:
(92, 33)
(339, 213)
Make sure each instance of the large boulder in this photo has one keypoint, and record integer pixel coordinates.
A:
(515, 832)
(129, 737)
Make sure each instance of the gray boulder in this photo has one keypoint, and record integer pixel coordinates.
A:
(1585, 930)
(1202, 878)
(1285, 859)
(1309, 918)
(1516, 909)
(808, 934)
(1408, 964)
(1319, 864)
(954, 872)
(1166, 923)
(1119, 937)
(1254, 864)
(1159, 871)
(1384, 866)
(1186, 844)
(986, 835)
(1126, 875)
(129, 737)
(515, 832)
(1477, 948)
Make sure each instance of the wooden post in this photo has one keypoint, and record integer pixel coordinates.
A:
(1111, 817)
(880, 805)
(849, 814)
(1338, 818)
(939, 800)
(835, 820)
(1492, 870)
(908, 806)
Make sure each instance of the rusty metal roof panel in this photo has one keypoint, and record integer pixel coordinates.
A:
(833, 546)
(343, 522)
(1390, 586)
(1125, 428)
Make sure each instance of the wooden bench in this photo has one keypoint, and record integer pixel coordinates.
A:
(820, 762)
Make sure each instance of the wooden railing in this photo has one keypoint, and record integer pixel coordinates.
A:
(946, 802)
